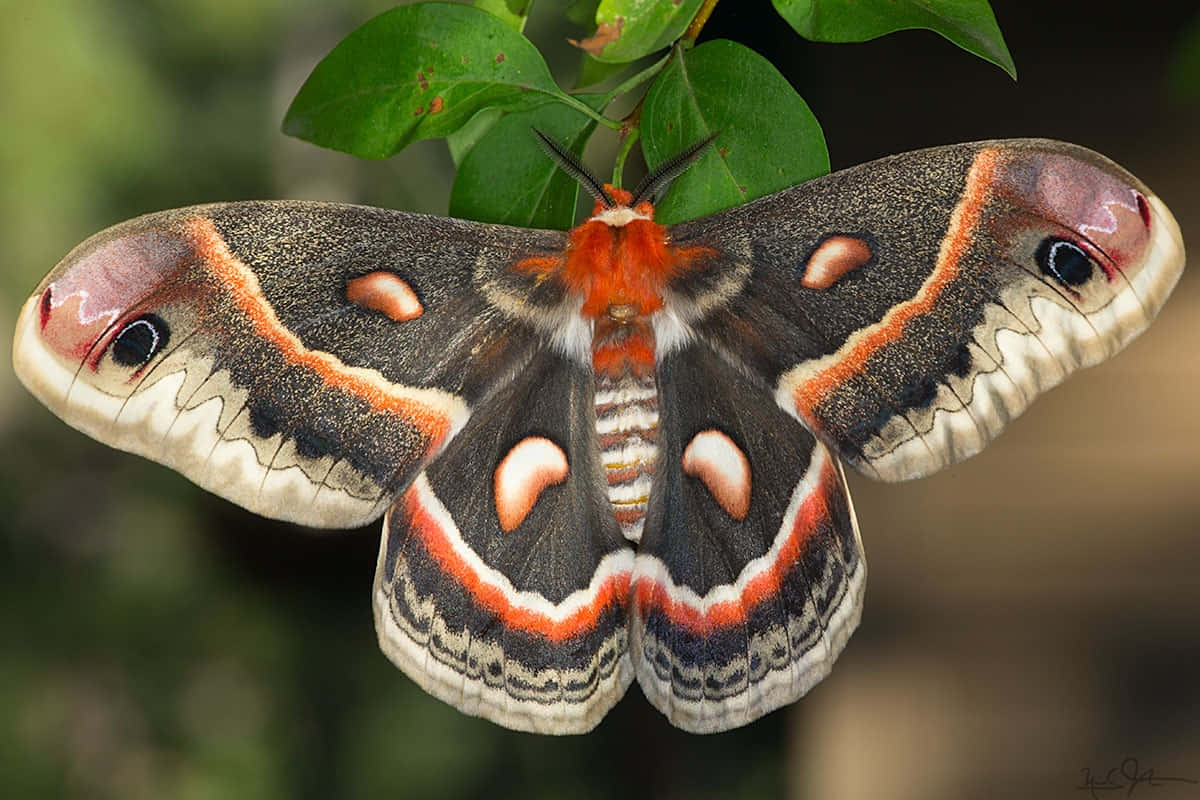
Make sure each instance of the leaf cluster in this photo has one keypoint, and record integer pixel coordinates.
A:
(468, 73)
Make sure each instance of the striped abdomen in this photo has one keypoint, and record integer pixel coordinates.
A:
(627, 429)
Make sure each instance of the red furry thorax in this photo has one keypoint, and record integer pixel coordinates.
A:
(619, 271)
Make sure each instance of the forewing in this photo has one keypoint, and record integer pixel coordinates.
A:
(750, 573)
(503, 576)
(907, 309)
(300, 359)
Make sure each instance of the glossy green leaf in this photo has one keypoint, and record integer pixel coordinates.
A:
(769, 139)
(626, 30)
(508, 178)
(970, 24)
(462, 140)
(512, 12)
(416, 72)
(593, 71)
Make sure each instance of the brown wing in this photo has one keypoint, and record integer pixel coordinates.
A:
(300, 359)
(906, 310)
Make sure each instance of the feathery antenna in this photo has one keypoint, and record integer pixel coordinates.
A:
(571, 165)
(670, 169)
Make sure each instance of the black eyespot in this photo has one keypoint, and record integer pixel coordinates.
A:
(139, 340)
(1064, 261)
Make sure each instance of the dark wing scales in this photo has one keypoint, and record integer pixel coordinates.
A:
(749, 577)
(307, 358)
(503, 575)
(907, 309)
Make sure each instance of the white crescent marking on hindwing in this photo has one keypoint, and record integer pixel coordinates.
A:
(533, 464)
(713, 458)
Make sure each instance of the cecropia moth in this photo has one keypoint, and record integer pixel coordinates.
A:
(615, 452)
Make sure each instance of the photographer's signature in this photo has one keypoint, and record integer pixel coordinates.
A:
(1129, 776)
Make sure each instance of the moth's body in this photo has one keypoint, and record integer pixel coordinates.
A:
(616, 264)
(614, 452)
(626, 403)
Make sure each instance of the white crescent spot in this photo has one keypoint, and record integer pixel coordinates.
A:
(532, 465)
(832, 259)
(713, 458)
(385, 293)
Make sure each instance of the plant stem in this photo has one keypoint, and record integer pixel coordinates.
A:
(622, 154)
(697, 23)
(638, 79)
(632, 132)
(584, 108)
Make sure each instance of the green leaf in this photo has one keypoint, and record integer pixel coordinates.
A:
(769, 139)
(513, 12)
(592, 71)
(970, 24)
(416, 72)
(626, 30)
(507, 177)
(462, 140)
(582, 12)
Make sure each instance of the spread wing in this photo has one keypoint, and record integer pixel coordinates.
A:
(503, 575)
(750, 573)
(300, 359)
(906, 310)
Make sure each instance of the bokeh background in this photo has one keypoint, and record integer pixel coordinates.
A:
(1030, 613)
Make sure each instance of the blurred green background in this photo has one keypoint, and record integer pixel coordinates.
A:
(1030, 613)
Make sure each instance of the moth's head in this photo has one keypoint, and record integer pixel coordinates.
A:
(618, 207)
(103, 316)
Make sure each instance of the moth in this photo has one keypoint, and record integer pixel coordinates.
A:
(614, 452)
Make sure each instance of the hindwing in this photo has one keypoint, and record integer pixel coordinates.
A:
(503, 575)
(750, 573)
